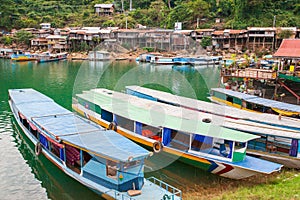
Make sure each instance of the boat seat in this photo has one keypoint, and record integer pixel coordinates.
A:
(134, 192)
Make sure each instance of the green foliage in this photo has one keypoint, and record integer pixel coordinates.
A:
(6, 40)
(23, 37)
(285, 34)
(236, 14)
(148, 49)
(206, 41)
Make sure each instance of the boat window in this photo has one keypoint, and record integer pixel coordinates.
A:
(202, 143)
(54, 149)
(132, 164)
(219, 95)
(124, 123)
(151, 132)
(229, 98)
(111, 169)
(106, 115)
(179, 140)
(86, 157)
(73, 158)
(239, 145)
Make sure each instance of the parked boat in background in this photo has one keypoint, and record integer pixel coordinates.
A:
(279, 141)
(104, 161)
(48, 57)
(218, 150)
(19, 56)
(253, 103)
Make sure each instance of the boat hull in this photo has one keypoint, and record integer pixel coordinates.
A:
(50, 60)
(218, 167)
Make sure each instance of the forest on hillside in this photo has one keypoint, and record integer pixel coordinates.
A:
(234, 14)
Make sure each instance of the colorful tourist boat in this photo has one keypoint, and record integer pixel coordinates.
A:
(47, 57)
(104, 161)
(216, 149)
(253, 103)
(20, 57)
(279, 141)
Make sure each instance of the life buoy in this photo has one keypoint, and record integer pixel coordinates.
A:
(157, 146)
(38, 148)
(112, 126)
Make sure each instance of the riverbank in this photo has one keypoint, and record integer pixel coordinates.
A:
(278, 186)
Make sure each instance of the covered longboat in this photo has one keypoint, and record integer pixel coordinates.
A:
(280, 138)
(253, 103)
(210, 147)
(104, 161)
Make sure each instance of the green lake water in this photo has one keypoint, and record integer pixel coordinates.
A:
(26, 176)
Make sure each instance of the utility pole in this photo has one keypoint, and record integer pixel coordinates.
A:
(122, 4)
(130, 5)
(274, 21)
(197, 23)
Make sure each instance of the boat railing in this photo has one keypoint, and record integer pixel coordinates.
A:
(174, 191)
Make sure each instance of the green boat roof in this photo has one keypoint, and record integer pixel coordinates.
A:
(159, 115)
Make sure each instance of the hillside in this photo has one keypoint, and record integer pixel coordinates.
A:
(235, 14)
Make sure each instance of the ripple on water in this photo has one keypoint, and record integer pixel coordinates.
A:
(17, 180)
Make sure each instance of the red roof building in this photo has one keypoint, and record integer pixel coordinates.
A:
(289, 48)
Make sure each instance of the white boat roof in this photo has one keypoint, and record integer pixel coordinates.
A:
(214, 108)
(160, 115)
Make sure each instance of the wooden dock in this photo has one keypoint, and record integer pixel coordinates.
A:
(249, 73)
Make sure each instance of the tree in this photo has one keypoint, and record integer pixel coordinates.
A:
(23, 37)
(206, 41)
(285, 34)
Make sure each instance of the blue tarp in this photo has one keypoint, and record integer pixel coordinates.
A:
(259, 100)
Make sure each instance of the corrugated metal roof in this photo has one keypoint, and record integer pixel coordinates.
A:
(289, 48)
(159, 115)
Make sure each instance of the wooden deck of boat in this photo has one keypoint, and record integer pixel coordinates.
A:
(149, 191)
(216, 109)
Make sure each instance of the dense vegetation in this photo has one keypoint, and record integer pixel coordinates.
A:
(236, 14)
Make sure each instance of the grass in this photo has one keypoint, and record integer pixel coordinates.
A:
(283, 185)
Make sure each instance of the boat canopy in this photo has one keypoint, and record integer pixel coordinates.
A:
(29, 95)
(259, 100)
(209, 107)
(77, 131)
(26, 99)
(108, 144)
(159, 115)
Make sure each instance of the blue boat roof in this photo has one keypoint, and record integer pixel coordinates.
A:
(259, 100)
(27, 99)
(20, 96)
(67, 126)
(108, 143)
(239, 95)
